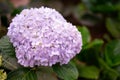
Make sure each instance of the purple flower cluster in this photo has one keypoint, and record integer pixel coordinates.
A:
(42, 37)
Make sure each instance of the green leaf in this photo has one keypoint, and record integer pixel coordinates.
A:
(22, 74)
(89, 56)
(46, 73)
(16, 11)
(8, 54)
(101, 6)
(90, 52)
(6, 46)
(113, 27)
(9, 62)
(67, 71)
(104, 8)
(89, 72)
(85, 34)
(109, 72)
(97, 43)
(112, 53)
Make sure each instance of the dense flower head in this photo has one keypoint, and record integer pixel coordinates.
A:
(42, 37)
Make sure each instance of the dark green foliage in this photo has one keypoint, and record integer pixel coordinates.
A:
(8, 54)
(89, 72)
(22, 74)
(113, 27)
(67, 71)
(85, 35)
(112, 53)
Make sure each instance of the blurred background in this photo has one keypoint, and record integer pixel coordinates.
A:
(101, 17)
(99, 23)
